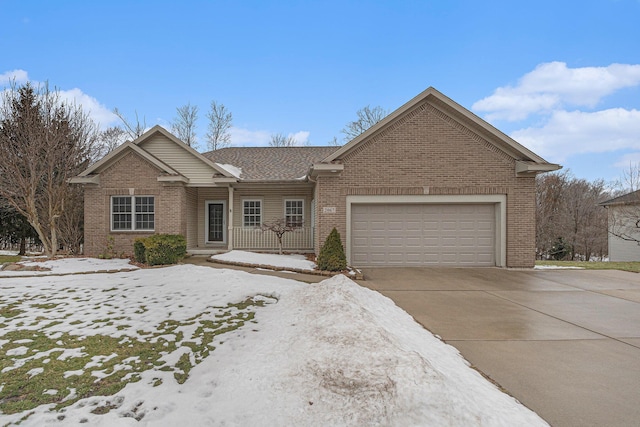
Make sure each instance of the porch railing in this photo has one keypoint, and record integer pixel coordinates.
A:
(254, 238)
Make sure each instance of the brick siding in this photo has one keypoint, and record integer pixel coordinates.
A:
(130, 175)
(426, 151)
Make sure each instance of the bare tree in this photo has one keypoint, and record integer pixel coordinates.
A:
(587, 222)
(280, 226)
(133, 129)
(567, 213)
(71, 222)
(630, 181)
(108, 140)
(550, 215)
(184, 125)
(280, 140)
(367, 117)
(220, 120)
(334, 142)
(43, 143)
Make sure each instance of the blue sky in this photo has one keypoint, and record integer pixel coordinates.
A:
(561, 77)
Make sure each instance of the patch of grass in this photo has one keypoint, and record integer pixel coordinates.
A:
(9, 258)
(8, 311)
(47, 306)
(596, 265)
(184, 365)
(36, 362)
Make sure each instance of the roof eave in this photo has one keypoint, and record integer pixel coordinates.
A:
(529, 168)
(326, 169)
(90, 179)
(173, 178)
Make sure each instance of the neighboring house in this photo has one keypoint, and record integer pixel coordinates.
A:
(431, 184)
(624, 227)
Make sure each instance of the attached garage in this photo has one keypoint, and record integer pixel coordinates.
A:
(465, 233)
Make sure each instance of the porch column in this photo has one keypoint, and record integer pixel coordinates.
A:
(230, 219)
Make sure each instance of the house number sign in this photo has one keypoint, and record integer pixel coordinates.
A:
(329, 209)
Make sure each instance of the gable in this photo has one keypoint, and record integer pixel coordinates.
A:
(424, 148)
(130, 170)
(524, 161)
(177, 161)
(183, 161)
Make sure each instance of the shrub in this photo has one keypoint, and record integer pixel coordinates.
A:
(332, 257)
(160, 249)
(139, 250)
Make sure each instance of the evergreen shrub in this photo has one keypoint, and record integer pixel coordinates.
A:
(139, 250)
(332, 256)
(160, 249)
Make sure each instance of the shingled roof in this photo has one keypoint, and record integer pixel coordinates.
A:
(270, 163)
(626, 199)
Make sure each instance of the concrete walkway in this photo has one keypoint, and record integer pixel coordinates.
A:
(204, 261)
(566, 343)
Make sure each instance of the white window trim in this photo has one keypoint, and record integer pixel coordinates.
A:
(133, 214)
(224, 221)
(284, 206)
(253, 199)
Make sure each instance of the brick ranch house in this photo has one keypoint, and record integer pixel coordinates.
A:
(431, 184)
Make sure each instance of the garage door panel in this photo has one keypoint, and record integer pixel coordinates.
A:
(395, 225)
(423, 234)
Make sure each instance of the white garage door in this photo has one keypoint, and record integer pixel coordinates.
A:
(423, 234)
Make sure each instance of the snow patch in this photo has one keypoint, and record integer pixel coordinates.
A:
(233, 170)
(282, 261)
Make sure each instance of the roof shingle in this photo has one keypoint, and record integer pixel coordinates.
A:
(625, 199)
(270, 163)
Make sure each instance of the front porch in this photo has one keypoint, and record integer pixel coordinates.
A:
(254, 239)
(220, 219)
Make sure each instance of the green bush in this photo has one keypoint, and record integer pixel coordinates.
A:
(139, 250)
(332, 257)
(160, 249)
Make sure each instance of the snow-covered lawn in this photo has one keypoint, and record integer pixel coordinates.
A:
(294, 261)
(556, 267)
(70, 265)
(201, 346)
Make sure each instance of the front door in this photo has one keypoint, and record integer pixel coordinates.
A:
(215, 222)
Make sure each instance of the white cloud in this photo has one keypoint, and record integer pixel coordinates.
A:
(249, 138)
(567, 133)
(302, 137)
(551, 86)
(98, 112)
(19, 76)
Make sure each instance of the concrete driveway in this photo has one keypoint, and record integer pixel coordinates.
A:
(566, 343)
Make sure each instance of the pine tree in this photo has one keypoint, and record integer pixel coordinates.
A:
(332, 257)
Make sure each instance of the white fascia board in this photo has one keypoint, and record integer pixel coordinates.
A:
(91, 179)
(532, 168)
(173, 178)
(326, 169)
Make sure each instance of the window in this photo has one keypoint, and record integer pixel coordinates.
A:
(294, 212)
(251, 213)
(132, 213)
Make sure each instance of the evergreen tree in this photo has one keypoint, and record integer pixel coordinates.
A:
(332, 257)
